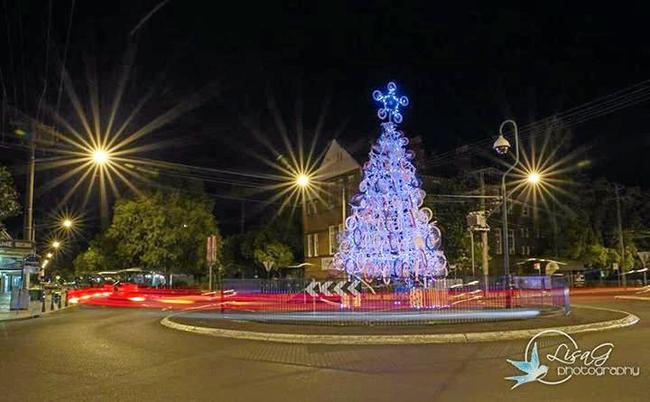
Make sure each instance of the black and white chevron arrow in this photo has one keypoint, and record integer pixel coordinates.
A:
(341, 288)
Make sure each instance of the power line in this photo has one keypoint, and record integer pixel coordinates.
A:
(629, 96)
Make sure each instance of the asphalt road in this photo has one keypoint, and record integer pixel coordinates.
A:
(93, 353)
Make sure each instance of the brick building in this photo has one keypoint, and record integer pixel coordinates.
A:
(338, 179)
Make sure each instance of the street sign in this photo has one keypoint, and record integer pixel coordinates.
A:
(341, 288)
(311, 289)
(211, 249)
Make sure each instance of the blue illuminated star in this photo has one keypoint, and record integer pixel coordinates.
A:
(391, 103)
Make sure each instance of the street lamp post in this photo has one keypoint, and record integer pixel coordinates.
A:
(502, 146)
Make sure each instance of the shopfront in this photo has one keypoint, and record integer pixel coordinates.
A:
(12, 263)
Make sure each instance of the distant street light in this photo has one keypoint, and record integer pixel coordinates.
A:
(56, 244)
(49, 255)
(100, 156)
(303, 180)
(533, 178)
(67, 223)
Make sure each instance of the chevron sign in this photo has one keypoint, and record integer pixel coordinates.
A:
(330, 288)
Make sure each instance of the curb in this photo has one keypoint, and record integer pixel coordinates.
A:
(23, 318)
(470, 337)
(37, 315)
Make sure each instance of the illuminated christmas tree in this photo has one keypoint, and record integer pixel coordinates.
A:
(389, 235)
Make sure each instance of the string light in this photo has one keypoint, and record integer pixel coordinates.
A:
(389, 234)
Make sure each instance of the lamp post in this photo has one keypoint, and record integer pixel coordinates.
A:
(502, 146)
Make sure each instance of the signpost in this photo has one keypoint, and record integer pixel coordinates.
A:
(211, 256)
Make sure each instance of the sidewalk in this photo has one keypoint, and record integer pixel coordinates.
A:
(34, 310)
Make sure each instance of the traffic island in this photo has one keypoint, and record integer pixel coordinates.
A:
(581, 319)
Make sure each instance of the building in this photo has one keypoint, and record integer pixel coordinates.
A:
(338, 178)
(15, 264)
(524, 237)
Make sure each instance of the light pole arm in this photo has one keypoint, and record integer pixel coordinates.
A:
(504, 194)
(516, 132)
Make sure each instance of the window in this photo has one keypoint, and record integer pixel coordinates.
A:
(333, 237)
(315, 244)
(511, 241)
(526, 233)
(498, 247)
(329, 196)
(523, 250)
(525, 210)
(310, 250)
(527, 250)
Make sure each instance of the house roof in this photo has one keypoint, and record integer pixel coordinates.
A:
(337, 161)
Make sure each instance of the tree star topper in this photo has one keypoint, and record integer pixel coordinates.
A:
(391, 103)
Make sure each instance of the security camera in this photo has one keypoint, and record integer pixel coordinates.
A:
(501, 145)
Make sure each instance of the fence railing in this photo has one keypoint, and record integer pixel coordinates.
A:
(449, 300)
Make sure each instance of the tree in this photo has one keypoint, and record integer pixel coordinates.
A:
(274, 255)
(388, 234)
(238, 251)
(163, 231)
(100, 256)
(596, 256)
(9, 205)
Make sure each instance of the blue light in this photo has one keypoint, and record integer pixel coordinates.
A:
(391, 104)
(389, 234)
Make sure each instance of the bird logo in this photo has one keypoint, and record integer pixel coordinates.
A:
(534, 371)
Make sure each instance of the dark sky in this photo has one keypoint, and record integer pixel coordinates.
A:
(465, 67)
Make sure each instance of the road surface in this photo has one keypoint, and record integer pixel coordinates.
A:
(95, 353)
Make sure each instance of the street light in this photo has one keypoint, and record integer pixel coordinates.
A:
(49, 255)
(100, 156)
(502, 146)
(67, 223)
(56, 244)
(533, 178)
(303, 180)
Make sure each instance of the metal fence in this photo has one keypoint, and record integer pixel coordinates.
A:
(357, 301)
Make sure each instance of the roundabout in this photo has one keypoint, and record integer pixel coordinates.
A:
(466, 333)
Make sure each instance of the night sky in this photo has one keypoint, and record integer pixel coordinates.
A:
(465, 67)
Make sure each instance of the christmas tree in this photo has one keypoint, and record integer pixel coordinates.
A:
(389, 235)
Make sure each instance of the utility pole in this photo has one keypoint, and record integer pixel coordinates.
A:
(471, 240)
(29, 216)
(484, 235)
(621, 268)
(554, 222)
(343, 201)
